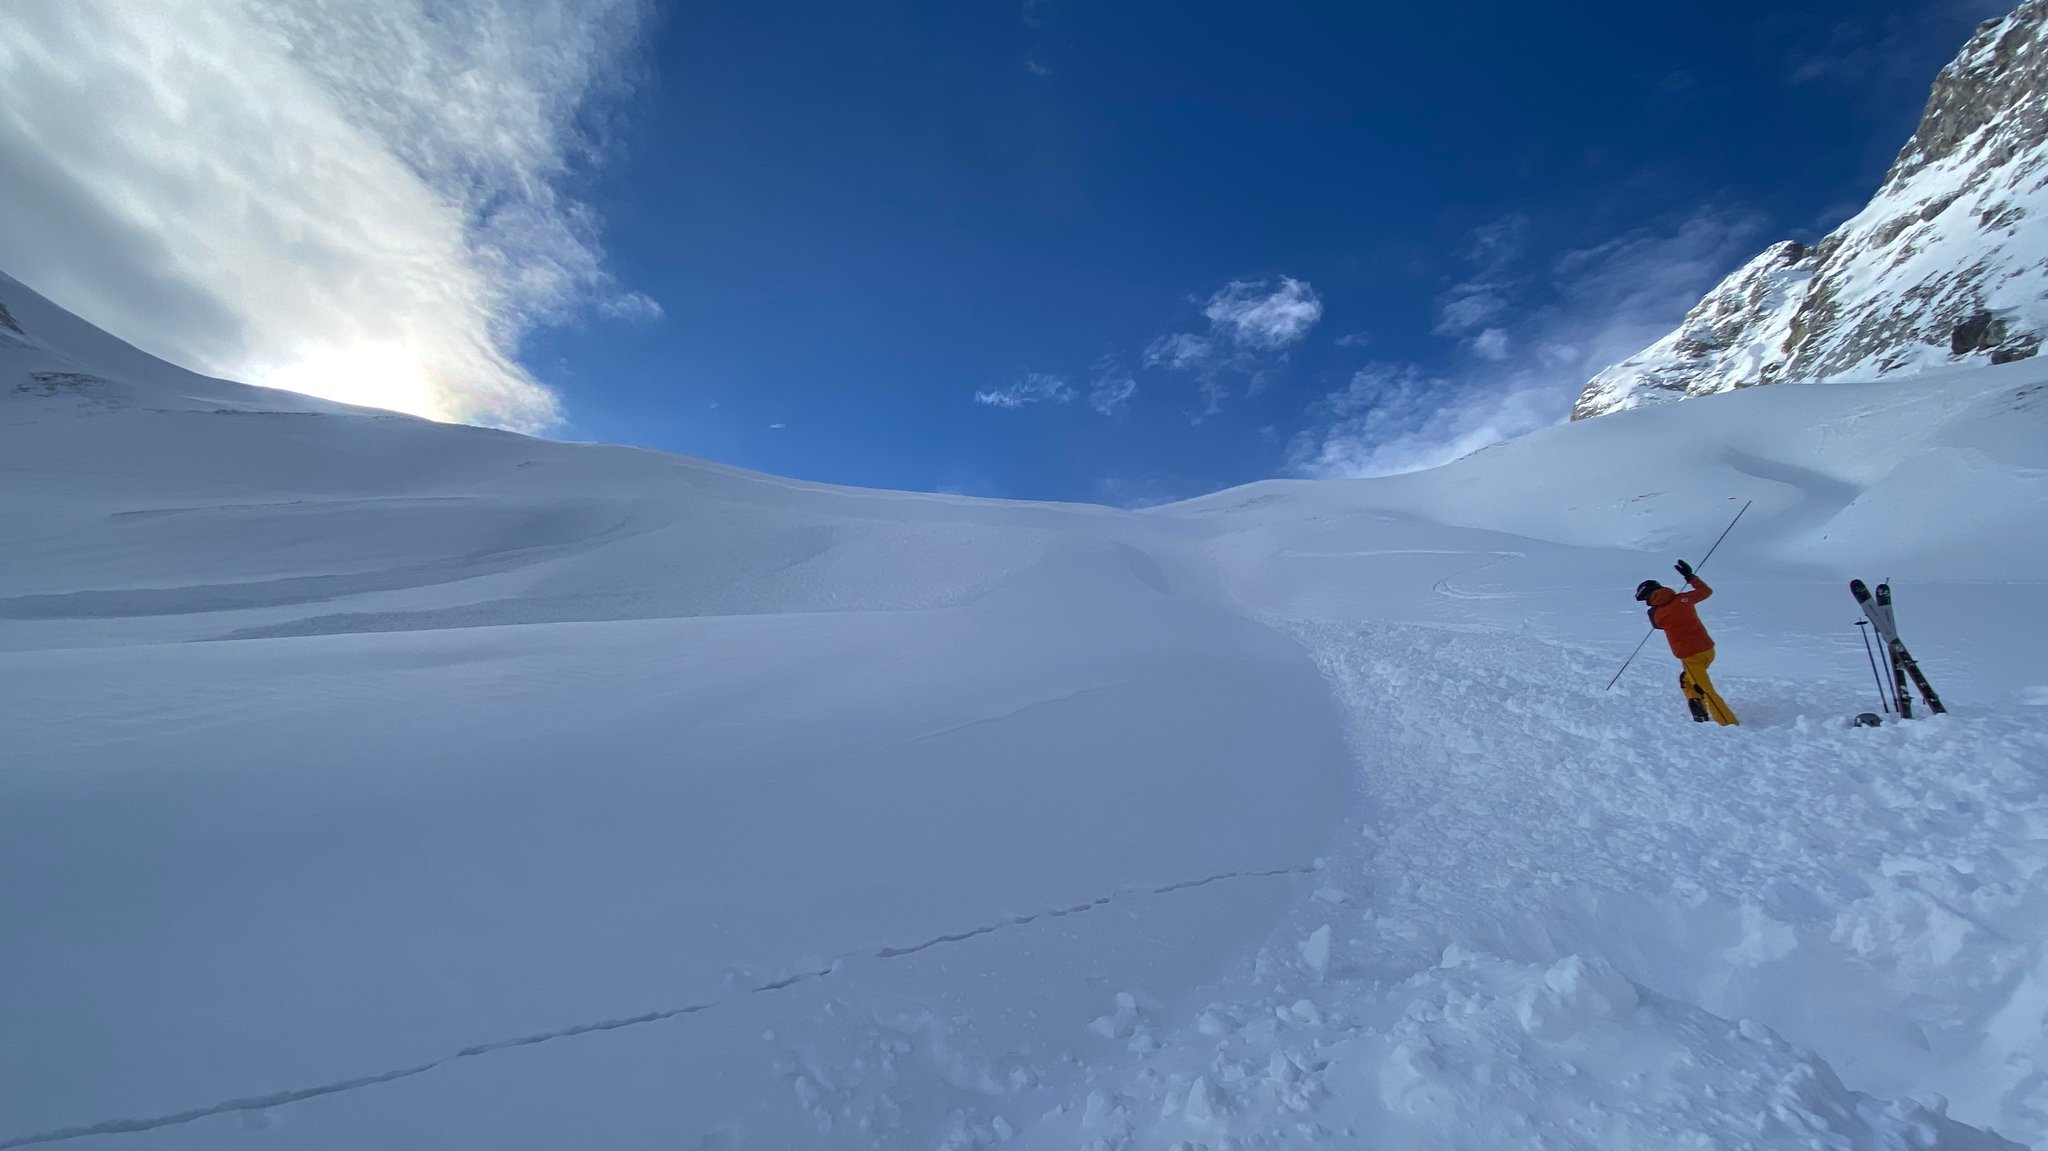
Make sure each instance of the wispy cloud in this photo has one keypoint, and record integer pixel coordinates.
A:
(1250, 327)
(1606, 302)
(1178, 351)
(1902, 46)
(1030, 388)
(1469, 307)
(1478, 303)
(1554, 322)
(1354, 339)
(1043, 50)
(362, 199)
(1393, 418)
(1245, 316)
(1251, 324)
(1264, 316)
(1113, 388)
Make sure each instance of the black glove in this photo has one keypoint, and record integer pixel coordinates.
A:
(1684, 569)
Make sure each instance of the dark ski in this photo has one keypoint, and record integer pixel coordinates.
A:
(1878, 610)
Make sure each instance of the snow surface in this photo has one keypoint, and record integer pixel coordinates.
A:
(375, 783)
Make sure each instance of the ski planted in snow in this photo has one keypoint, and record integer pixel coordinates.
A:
(1882, 606)
(1900, 655)
(1878, 610)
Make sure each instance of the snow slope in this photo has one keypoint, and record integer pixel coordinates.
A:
(377, 783)
(756, 747)
(1565, 913)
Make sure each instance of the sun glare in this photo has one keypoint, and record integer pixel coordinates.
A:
(377, 375)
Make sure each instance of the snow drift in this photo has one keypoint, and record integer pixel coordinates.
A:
(372, 782)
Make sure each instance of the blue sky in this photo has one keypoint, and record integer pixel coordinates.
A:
(856, 218)
(1045, 249)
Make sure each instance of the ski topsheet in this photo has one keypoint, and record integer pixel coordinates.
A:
(1878, 610)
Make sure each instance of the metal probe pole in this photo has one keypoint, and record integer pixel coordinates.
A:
(1703, 562)
(1863, 629)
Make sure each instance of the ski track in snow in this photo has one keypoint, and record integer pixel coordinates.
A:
(782, 983)
(1445, 586)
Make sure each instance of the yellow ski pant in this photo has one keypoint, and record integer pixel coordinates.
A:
(1693, 681)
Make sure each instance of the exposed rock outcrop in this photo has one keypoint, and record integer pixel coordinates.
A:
(1947, 264)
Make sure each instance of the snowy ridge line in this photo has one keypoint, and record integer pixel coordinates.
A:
(299, 1095)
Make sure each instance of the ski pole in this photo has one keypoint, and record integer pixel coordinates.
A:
(1722, 536)
(1703, 562)
(1631, 658)
(1863, 629)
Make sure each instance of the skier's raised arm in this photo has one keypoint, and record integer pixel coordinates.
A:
(1699, 589)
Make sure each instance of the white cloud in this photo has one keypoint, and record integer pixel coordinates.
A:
(636, 307)
(1900, 47)
(1354, 339)
(1179, 351)
(1393, 418)
(1030, 388)
(1612, 300)
(355, 198)
(1496, 244)
(1492, 249)
(1468, 308)
(1264, 316)
(1558, 322)
(1112, 390)
(1252, 324)
(1109, 393)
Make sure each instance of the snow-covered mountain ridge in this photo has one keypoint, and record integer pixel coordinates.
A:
(369, 782)
(1948, 264)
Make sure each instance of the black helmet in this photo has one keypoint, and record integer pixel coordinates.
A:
(1644, 589)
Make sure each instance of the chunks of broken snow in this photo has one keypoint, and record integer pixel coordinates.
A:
(1574, 994)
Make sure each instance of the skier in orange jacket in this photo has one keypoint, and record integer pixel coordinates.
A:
(1671, 612)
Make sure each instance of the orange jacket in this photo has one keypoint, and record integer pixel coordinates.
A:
(1671, 613)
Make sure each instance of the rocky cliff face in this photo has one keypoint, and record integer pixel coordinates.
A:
(1948, 263)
